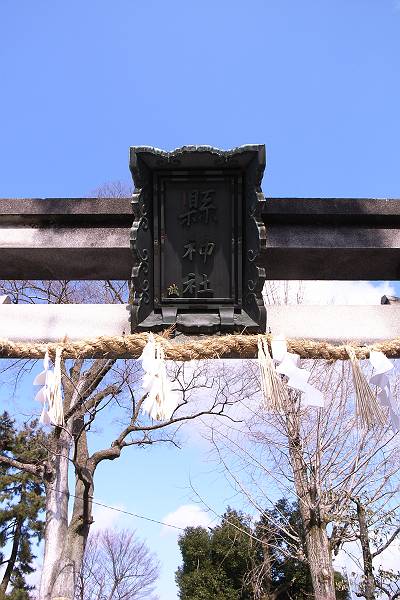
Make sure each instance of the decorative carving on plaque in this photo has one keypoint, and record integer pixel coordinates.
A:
(197, 239)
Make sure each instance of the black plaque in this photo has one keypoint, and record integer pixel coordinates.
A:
(196, 239)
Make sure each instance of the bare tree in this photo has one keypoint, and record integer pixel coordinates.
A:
(113, 189)
(376, 526)
(117, 566)
(320, 457)
(91, 387)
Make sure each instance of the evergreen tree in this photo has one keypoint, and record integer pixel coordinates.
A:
(238, 561)
(21, 503)
(233, 548)
(290, 574)
(215, 562)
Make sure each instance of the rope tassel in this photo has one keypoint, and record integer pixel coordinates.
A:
(367, 407)
(274, 390)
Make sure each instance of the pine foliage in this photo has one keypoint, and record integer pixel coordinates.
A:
(21, 505)
(215, 562)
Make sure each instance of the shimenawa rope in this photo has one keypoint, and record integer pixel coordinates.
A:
(225, 346)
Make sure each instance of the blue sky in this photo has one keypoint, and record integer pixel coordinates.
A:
(317, 81)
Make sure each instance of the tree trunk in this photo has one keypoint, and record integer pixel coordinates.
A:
(71, 558)
(78, 530)
(13, 557)
(316, 539)
(260, 576)
(369, 579)
(56, 516)
(320, 563)
(65, 544)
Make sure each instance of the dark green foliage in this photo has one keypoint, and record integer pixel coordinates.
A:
(232, 549)
(20, 590)
(290, 575)
(238, 561)
(215, 562)
(21, 505)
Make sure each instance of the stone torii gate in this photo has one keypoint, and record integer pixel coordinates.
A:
(197, 242)
(300, 238)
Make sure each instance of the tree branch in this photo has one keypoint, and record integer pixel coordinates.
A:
(88, 383)
(94, 401)
(119, 443)
(36, 470)
(387, 543)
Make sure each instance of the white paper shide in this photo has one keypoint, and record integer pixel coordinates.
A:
(161, 400)
(288, 364)
(50, 395)
(382, 366)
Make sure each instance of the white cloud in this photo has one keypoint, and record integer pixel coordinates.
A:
(34, 578)
(230, 381)
(350, 559)
(187, 515)
(390, 558)
(105, 518)
(326, 292)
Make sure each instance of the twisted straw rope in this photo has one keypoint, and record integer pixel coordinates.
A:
(227, 346)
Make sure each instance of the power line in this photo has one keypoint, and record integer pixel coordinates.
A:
(126, 512)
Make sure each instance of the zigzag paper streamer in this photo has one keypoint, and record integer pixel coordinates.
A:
(297, 377)
(161, 400)
(50, 395)
(382, 366)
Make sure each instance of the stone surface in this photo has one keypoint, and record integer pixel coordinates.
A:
(198, 239)
(333, 323)
(306, 238)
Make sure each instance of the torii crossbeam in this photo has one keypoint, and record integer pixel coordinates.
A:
(327, 239)
(306, 238)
